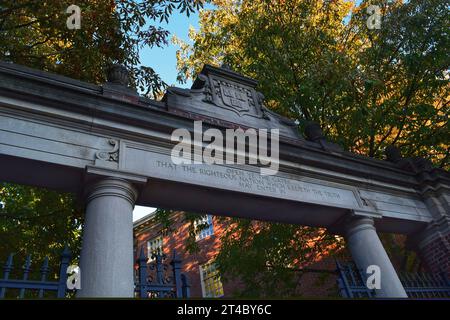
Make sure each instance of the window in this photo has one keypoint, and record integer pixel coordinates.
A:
(210, 280)
(154, 245)
(203, 227)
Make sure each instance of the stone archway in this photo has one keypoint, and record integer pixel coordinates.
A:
(112, 147)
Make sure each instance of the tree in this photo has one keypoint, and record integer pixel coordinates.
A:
(318, 60)
(38, 222)
(35, 34)
(269, 259)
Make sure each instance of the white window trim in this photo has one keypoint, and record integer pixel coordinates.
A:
(211, 225)
(202, 283)
(149, 253)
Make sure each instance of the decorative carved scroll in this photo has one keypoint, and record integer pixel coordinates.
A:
(109, 155)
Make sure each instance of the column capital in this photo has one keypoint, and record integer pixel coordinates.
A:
(111, 186)
(93, 172)
(352, 220)
(100, 181)
(358, 223)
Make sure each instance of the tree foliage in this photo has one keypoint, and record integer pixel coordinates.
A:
(269, 259)
(38, 222)
(34, 33)
(319, 60)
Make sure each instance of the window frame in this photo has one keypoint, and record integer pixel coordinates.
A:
(202, 280)
(206, 232)
(160, 247)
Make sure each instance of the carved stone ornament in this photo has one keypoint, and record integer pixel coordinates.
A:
(229, 98)
(393, 154)
(414, 164)
(234, 97)
(314, 133)
(117, 86)
(118, 74)
(207, 90)
(109, 155)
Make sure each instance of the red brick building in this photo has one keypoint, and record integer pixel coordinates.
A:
(199, 267)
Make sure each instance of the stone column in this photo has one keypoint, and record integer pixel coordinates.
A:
(366, 249)
(106, 260)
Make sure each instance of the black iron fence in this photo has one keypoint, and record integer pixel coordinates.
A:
(159, 279)
(18, 288)
(154, 279)
(352, 283)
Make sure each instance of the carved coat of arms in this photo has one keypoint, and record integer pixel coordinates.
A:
(234, 97)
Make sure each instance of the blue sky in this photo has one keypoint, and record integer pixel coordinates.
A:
(164, 62)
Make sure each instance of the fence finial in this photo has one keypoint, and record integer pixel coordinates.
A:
(142, 256)
(66, 252)
(9, 263)
(26, 270)
(65, 260)
(44, 272)
(7, 268)
(175, 257)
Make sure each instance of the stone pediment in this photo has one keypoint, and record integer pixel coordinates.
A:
(228, 99)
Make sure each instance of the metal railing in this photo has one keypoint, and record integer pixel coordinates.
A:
(35, 288)
(352, 283)
(153, 280)
(161, 280)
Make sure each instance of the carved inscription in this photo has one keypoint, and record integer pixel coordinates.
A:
(249, 181)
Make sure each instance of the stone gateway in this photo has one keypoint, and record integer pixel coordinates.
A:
(112, 148)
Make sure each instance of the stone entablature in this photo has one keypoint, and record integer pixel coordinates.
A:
(64, 134)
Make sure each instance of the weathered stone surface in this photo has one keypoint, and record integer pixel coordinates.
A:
(229, 98)
(68, 125)
(367, 250)
(62, 134)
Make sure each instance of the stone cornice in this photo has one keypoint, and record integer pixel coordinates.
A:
(85, 99)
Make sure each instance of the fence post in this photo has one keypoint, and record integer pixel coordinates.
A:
(26, 270)
(176, 267)
(7, 268)
(159, 256)
(62, 282)
(44, 271)
(186, 286)
(142, 271)
(342, 281)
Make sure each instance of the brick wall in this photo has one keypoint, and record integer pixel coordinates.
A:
(311, 284)
(436, 255)
(319, 285)
(176, 240)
